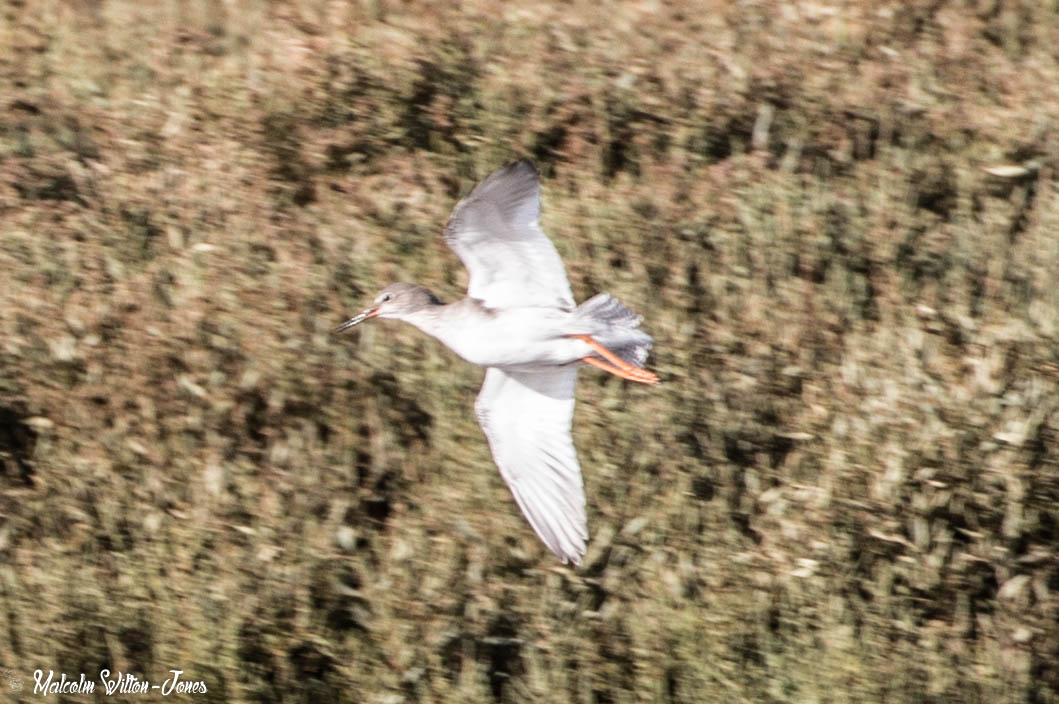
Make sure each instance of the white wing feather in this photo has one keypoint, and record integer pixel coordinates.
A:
(496, 233)
(526, 417)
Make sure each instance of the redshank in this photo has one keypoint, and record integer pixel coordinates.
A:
(519, 321)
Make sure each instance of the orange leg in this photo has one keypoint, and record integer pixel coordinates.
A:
(615, 364)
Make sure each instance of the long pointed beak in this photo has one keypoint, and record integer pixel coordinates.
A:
(369, 313)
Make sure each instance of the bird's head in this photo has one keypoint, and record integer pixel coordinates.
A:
(395, 301)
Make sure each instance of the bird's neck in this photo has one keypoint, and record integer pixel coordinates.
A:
(440, 321)
(429, 319)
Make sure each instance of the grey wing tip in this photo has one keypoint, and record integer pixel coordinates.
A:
(519, 169)
(529, 164)
(576, 548)
(520, 178)
(573, 558)
(523, 164)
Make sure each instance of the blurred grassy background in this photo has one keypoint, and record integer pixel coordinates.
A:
(839, 219)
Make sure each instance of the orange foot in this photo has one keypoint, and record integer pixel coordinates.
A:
(615, 364)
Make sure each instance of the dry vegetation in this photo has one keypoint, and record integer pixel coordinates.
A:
(847, 490)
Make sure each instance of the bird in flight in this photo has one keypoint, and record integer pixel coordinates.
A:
(520, 322)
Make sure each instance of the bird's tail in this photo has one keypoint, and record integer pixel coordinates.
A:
(616, 327)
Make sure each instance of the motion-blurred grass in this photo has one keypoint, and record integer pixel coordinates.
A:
(847, 489)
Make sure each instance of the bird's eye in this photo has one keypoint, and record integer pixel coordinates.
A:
(385, 297)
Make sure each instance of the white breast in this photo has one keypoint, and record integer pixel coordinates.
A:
(519, 338)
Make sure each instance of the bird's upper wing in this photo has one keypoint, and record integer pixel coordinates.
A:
(495, 232)
(526, 418)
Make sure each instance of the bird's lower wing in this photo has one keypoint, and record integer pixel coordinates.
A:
(526, 417)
